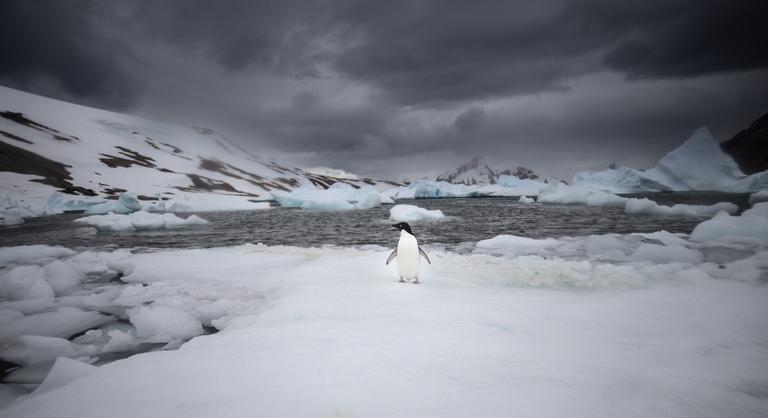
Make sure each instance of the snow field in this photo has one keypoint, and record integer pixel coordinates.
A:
(605, 325)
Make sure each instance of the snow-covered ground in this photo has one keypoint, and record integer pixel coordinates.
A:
(610, 325)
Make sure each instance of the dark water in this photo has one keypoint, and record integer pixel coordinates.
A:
(473, 219)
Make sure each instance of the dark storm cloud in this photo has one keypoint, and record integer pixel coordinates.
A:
(469, 120)
(57, 43)
(704, 38)
(364, 80)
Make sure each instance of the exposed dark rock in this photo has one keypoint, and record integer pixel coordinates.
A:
(203, 131)
(240, 174)
(23, 120)
(15, 137)
(114, 190)
(129, 158)
(54, 173)
(208, 184)
(749, 148)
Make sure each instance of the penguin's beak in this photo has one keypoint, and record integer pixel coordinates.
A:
(394, 226)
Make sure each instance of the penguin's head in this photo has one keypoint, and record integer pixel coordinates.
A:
(403, 226)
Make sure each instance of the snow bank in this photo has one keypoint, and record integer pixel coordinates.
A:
(330, 332)
(753, 223)
(647, 206)
(338, 197)
(141, 220)
(63, 372)
(412, 213)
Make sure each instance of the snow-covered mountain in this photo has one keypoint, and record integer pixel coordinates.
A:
(698, 164)
(48, 145)
(478, 171)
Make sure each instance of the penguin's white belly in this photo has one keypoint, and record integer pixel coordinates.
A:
(408, 256)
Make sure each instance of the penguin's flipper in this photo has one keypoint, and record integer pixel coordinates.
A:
(424, 254)
(392, 256)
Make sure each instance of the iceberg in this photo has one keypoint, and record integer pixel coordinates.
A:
(339, 196)
(698, 164)
(126, 203)
(619, 180)
(426, 189)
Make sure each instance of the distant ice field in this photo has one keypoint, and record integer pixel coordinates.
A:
(468, 220)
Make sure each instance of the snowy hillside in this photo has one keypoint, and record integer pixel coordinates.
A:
(478, 171)
(697, 164)
(49, 145)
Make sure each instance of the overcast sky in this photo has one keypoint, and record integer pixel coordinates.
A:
(406, 88)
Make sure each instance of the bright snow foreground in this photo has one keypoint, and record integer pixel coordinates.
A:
(614, 325)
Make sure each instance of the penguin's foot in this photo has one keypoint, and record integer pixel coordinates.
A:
(401, 280)
(416, 281)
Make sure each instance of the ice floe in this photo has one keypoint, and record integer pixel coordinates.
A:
(140, 220)
(413, 213)
(752, 224)
(647, 206)
(576, 195)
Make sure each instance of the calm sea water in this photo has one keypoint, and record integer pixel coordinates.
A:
(472, 219)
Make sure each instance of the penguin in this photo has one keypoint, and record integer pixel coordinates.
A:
(407, 253)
